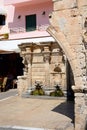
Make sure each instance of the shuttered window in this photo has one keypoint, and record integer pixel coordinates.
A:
(31, 22)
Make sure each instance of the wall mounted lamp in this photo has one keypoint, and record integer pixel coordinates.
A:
(19, 16)
(43, 13)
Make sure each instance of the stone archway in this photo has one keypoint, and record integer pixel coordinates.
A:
(67, 27)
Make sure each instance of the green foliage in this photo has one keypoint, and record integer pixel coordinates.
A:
(57, 93)
(41, 92)
(6, 35)
(38, 92)
(35, 92)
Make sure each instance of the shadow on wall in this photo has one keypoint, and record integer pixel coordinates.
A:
(67, 109)
(86, 125)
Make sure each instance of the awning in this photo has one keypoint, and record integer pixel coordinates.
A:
(12, 45)
(2, 11)
(6, 52)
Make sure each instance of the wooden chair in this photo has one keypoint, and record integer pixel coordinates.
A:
(14, 83)
(3, 86)
(1, 81)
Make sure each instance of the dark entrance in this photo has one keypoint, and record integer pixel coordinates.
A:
(11, 66)
(2, 19)
(70, 82)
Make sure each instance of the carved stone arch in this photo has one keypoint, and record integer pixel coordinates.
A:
(67, 26)
(71, 56)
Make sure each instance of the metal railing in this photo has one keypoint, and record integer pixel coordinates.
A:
(43, 27)
(23, 30)
(17, 30)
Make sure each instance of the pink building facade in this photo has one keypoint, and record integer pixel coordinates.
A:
(3, 20)
(19, 12)
(27, 21)
(23, 21)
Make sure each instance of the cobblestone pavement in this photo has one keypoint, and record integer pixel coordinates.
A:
(35, 113)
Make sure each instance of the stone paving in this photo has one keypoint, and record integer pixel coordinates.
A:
(36, 113)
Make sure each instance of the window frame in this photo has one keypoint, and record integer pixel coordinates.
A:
(2, 20)
(33, 24)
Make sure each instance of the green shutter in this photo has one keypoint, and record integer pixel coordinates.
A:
(31, 22)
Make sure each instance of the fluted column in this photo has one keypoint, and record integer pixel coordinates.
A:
(28, 58)
(46, 58)
(81, 110)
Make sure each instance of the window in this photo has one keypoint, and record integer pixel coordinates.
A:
(2, 19)
(31, 22)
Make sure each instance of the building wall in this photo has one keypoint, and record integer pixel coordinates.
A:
(22, 2)
(3, 28)
(42, 21)
(1, 2)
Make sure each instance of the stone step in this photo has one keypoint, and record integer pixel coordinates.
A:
(26, 94)
(66, 126)
(31, 128)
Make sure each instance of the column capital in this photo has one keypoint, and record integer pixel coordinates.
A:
(28, 58)
(46, 54)
(76, 89)
(46, 57)
(28, 49)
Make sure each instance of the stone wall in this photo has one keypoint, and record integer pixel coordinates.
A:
(44, 63)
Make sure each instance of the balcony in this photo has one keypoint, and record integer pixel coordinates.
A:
(24, 2)
(20, 32)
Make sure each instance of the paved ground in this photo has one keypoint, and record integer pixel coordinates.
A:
(7, 94)
(35, 113)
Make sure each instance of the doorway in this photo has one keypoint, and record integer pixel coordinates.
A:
(11, 66)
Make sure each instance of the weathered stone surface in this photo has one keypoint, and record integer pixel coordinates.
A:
(64, 4)
(45, 66)
(67, 27)
(82, 3)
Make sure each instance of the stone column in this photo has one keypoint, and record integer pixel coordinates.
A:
(25, 69)
(85, 44)
(22, 80)
(80, 111)
(86, 65)
(46, 58)
(86, 62)
(28, 57)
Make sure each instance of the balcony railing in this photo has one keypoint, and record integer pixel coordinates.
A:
(23, 30)
(17, 30)
(43, 27)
